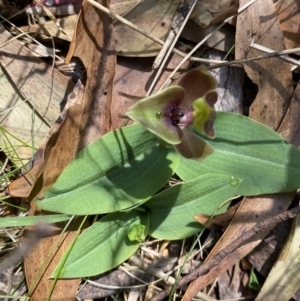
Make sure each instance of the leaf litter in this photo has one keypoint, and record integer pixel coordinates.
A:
(275, 105)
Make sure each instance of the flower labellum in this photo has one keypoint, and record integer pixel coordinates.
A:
(170, 113)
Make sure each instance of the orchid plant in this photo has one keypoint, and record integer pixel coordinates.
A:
(123, 175)
(170, 113)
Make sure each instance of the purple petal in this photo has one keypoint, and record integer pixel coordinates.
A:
(196, 83)
(193, 147)
(211, 98)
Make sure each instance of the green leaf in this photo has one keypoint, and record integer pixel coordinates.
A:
(171, 212)
(31, 220)
(120, 170)
(248, 150)
(253, 281)
(137, 233)
(103, 246)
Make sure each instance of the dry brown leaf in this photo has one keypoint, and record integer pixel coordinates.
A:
(273, 77)
(227, 11)
(149, 15)
(122, 8)
(17, 118)
(209, 12)
(201, 14)
(245, 218)
(289, 15)
(22, 186)
(44, 89)
(222, 219)
(222, 40)
(85, 118)
(37, 276)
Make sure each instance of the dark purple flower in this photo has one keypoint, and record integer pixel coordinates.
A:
(169, 113)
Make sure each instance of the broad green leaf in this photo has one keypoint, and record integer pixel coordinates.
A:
(171, 212)
(103, 246)
(246, 149)
(31, 220)
(120, 170)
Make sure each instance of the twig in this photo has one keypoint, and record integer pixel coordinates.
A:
(205, 267)
(270, 51)
(176, 28)
(260, 57)
(281, 54)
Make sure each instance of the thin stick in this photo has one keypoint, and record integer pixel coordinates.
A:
(159, 71)
(281, 54)
(260, 57)
(175, 31)
(219, 257)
